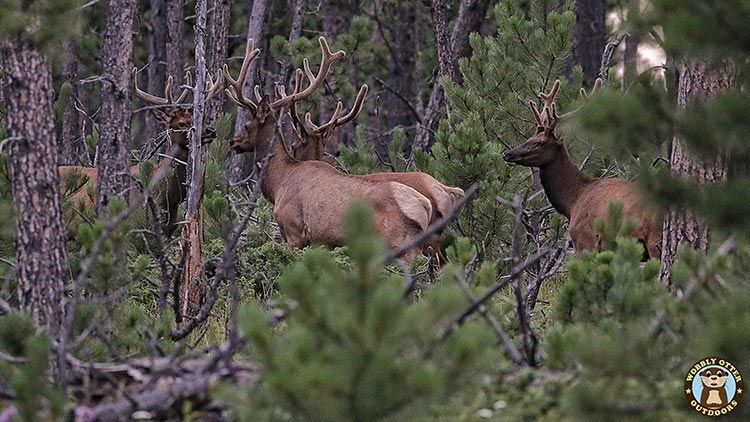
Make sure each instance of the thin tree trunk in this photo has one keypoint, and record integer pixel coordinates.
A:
(298, 17)
(157, 57)
(174, 50)
(470, 11)
(192, 288)
(239, 166)
(41, 257)
(337, 18)
(698, 81)
(630, 57)
(401, 76)
(114, 139)
(589, 39)
(217, 53)
(73, 144)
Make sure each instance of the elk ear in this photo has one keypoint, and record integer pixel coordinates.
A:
(163, 115)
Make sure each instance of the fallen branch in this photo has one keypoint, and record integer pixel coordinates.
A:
(505, 340)
(517, 270)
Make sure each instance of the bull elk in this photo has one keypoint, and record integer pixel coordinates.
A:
(311, 197)
(311, 145)
(178, 119)
(580, 197)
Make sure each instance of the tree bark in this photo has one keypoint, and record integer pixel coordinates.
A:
(401, 76)
(217, 53)
(589, 39)
(73, 143)
(470, 11)
(630, 57)
(336, 19)
(698, 81)
(192, 288)
(240, 165)
(114, 138)
(41, 257)
(174, 50)
(157, 58)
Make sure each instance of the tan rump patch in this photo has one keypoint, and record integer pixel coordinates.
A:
(413, 204)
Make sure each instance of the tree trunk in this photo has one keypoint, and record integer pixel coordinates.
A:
(157, 58)
(41, 257)
(114, 138)
(336, 19)
(73, 143)
(192, 287)
(298, 17)
(470, 12)
(240, 165)
(174, 50)
(401, 77)
(589, 39)
(217, 53)
(630, 57)
(698, 81)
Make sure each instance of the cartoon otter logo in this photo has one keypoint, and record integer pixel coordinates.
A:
(713, 386)
(714, 395)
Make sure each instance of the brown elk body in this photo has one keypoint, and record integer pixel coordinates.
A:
(580, 197)
(312, 141)
(311, 197)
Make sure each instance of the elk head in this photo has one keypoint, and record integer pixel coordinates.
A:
(263, 114)
(313, 141)
(545, 144)
(173, 113)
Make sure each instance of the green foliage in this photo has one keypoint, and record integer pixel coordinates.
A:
(352, 347)
(46, 23)
(28, 379)
(359, 158)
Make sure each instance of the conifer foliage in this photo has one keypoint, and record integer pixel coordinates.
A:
(352, 348)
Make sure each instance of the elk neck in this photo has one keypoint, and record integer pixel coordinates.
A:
(563, 182)
(278, 168)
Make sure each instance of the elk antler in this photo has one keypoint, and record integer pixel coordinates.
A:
(212, 87)
(550, 107)
(326, 61)
(335, 120)
(234, 92)
(281, 93)
(167, 99)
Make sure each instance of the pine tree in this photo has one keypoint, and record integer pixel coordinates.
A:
(352, 347)
(490, 111)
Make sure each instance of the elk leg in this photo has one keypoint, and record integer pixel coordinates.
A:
(431, 248)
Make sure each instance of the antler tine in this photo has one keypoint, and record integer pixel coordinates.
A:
(537, 114)
(234, 92)
(356, 108)
(331, 123)
(186, 90)
(168, 89)
(212, 87)
(548, 99)
(597, 84)
(145, 96)
(258, 95)
(325, 67)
